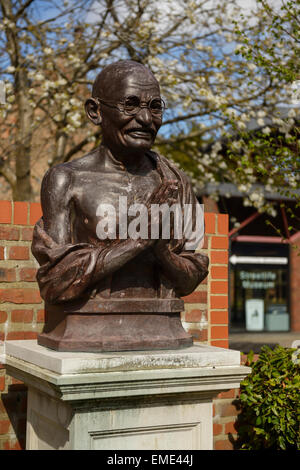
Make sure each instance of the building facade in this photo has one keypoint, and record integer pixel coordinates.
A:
(264, 263)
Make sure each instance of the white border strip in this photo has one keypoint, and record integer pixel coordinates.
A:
(234, 259)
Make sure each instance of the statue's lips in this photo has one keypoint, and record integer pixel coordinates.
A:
(141, 133)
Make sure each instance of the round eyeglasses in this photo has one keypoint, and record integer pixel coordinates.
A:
(131, 105)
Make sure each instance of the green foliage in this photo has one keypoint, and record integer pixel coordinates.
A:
(270, 401)
(276, 47)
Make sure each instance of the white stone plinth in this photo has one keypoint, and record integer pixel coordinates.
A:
(139, 400)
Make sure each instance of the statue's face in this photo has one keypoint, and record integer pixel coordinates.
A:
(123, 133)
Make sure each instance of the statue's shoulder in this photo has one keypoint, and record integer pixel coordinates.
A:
(57, 177)
(62, 174)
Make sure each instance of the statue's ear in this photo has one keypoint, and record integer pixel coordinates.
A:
(92, 110)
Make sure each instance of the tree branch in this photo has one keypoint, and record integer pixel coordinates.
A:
(23, 8)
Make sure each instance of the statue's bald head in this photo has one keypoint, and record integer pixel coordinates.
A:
(112, 75)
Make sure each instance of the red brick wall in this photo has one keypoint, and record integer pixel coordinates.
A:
(22, 314)
(21, 310)
(295, 284)
(225, 413)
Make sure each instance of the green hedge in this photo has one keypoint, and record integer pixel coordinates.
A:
(270, 401)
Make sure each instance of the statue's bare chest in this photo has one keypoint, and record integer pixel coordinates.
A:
(110, 189)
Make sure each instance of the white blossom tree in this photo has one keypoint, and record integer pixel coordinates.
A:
(51, 51)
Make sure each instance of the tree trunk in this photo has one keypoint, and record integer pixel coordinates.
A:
(22, 190)
(61, 139)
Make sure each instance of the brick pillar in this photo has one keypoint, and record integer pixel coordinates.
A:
(295, 284)
(218, 283)
(206, 309)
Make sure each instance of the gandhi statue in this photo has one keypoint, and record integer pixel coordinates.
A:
(115, 293)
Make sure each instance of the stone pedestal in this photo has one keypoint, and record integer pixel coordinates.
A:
(159, 400)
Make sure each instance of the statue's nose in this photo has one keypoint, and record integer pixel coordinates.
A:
(144, 116)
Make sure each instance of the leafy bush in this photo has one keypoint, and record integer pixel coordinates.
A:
(270, 401)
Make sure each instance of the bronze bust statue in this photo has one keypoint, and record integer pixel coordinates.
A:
(120, 292)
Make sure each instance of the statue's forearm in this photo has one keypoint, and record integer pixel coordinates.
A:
(116, 257)
(182, 272)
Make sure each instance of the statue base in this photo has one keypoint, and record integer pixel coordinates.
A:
(122, 401)
(98, 332)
